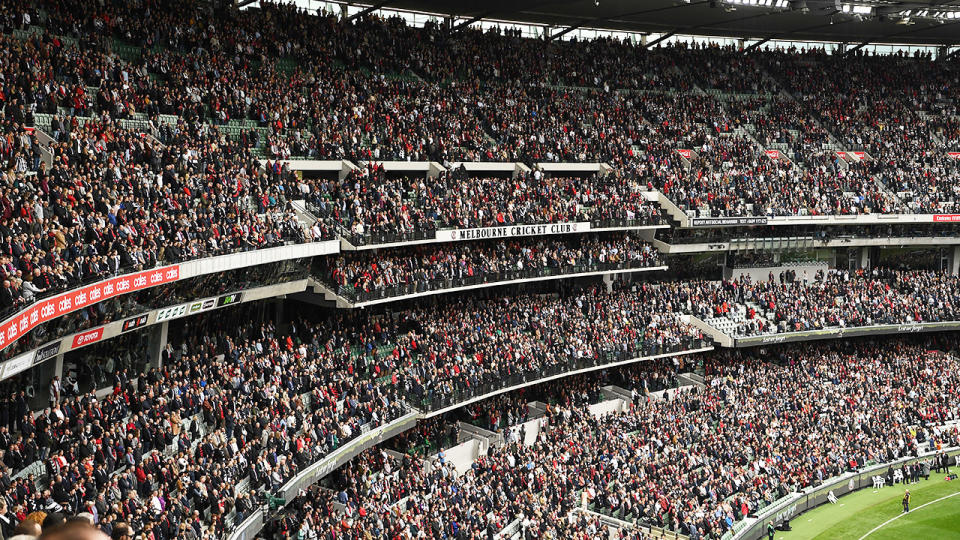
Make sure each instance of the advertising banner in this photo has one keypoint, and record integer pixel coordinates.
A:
(56, 306)
(16, 365)
(46, 353)
(946, 218)
(134, 323)
(728, 221)
(88, 337)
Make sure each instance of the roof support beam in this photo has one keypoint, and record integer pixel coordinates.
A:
(599, 20)
(470, 21)
(244, 3)
(884, 38)
(664, 37)
(758, 44)
(672, 33)
(568, 29)
(369, 10)
(787, 34)
(857, 48)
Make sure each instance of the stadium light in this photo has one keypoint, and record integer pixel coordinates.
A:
(937, 15)
(770, 4)
(857, 9)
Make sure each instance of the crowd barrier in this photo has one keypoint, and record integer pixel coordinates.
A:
(363, 298)
(827, 333)
(434, 405)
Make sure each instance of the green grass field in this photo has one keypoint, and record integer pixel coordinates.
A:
(870, 513)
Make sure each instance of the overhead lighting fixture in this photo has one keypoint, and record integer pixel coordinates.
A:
(857, 9)
(937, 15)
(770, 4)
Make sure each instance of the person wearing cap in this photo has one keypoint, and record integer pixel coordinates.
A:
(906, 501)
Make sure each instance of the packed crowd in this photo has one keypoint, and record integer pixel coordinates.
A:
(188, 447)
(833, 299)
(362, 275)
(101, 197)
(374, 481)
(371, 202)
(249, 408)
(728, 171)
(111, 200)
(374, 89)
(659, 463)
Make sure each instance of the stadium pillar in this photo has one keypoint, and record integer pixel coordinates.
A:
(955, 261)
(864, 257)
(157, 341)
(608, 281)
(58, 366)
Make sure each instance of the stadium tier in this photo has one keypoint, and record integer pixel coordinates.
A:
(353, 271)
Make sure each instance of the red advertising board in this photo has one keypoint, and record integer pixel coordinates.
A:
(51, 308)
(773, 154)
(88, 337)
(955, 155)
(946, 218)
(685, 153)
(842, 155)
(860, 155)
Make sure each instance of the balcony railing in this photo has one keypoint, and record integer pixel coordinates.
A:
(358, 296)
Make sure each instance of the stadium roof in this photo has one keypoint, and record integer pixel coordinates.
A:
(927, 22)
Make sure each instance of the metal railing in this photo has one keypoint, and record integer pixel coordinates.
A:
(356, 295)
(637, 350)
(429, 233)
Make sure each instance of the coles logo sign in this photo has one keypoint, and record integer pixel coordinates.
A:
(51, 308)
(88, 337)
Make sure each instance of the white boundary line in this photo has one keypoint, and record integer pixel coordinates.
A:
(885, 523)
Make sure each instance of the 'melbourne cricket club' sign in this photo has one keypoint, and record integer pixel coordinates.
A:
(512, 231)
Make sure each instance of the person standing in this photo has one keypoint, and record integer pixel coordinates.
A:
(906, 501)
(55, 389)
(770, 530)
